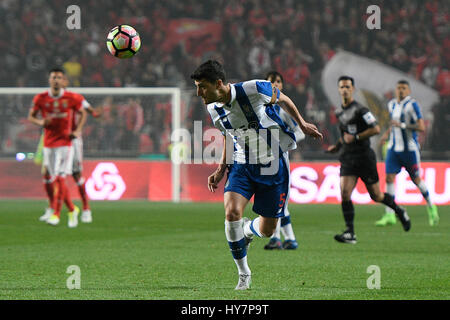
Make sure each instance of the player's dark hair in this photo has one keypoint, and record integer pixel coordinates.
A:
(273, 75)
(403, 82)
(57, 69)
(210, 71)
(346, 78)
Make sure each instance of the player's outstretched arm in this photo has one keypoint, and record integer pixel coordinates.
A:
(289, 106)
(95, 112)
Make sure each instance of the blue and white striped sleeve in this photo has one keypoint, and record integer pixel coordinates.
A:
(267, 92)
(416, 114)
(390, 107)
(214, 116)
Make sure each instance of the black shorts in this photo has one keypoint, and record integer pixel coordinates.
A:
(362, 165)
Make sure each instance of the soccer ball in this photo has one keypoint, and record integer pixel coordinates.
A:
(123, 41)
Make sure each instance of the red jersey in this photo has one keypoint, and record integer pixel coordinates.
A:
(60, 110)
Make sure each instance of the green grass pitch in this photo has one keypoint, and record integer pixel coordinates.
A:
(164, 251)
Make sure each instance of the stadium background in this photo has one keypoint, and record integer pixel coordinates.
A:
(297, 38)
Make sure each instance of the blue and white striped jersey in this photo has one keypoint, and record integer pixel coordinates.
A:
(406, 111)
(290, 122)
(242, 119)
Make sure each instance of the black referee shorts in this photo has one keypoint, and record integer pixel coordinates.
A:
(362, 165)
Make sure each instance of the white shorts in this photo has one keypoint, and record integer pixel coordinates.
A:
(58, 161)
(77, 145)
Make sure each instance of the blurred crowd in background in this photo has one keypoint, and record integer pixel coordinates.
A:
(251, 37)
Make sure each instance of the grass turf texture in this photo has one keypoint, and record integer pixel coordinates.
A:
(142, 250)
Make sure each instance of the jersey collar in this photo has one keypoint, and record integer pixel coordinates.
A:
(349, 105)
(61, 93)
(233, 95)
(404, 100)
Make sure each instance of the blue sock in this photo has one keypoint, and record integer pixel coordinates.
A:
(237, 248)
(285, 220)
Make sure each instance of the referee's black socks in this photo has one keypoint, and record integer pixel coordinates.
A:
(349, 214)
(389, 201)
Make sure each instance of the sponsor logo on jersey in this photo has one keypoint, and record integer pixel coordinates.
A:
(352, 129)
(58, 115)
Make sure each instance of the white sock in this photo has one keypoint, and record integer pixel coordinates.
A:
(235, 236)
(424, 190)
(252, 228)
(390, 189)
(288, 232)
(286, 226)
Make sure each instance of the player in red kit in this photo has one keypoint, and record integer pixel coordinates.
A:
(77, 144)
(57, 107)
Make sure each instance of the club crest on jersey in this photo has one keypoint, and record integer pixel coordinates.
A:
(253, 125)
(352, 129)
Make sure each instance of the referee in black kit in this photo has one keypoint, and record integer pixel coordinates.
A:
(357, 124)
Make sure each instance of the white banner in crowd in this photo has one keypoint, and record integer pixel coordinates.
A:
(373, 76)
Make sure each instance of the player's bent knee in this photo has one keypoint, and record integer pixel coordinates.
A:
(232, 213)
(233, 216)
(377, 197)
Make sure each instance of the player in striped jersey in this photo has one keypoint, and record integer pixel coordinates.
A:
(284, 224)
(256, 142)
(403, 148)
